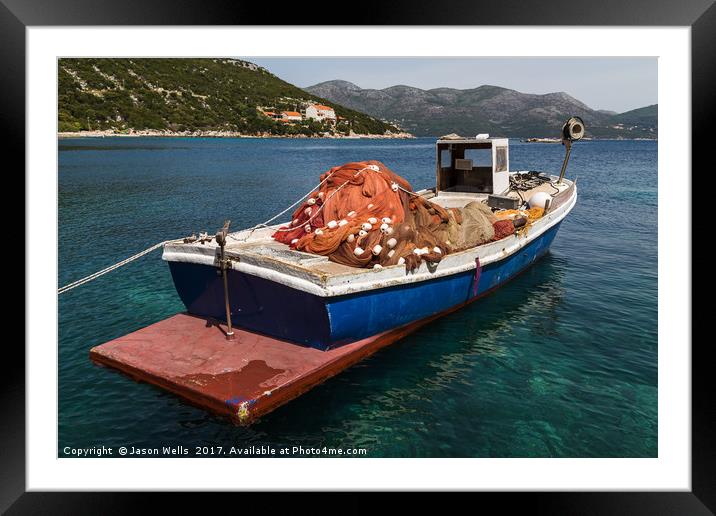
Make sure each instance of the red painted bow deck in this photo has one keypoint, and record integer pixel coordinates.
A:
(242, 378)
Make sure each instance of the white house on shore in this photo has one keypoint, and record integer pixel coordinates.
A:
(320, 113)
(291, 116)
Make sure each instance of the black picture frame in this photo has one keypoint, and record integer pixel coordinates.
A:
(17, 15)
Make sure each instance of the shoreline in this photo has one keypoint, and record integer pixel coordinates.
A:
(226, 134)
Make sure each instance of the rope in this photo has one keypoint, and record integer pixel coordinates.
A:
(313, 215)
(111, 268)
(97, 274)
(523, 182)
(320, 208)
(132, 258)
(407, 191)
(265, 223)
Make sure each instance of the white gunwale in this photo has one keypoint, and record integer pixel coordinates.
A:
(317, 275)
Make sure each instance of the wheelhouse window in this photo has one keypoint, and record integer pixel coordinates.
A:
(465, 167)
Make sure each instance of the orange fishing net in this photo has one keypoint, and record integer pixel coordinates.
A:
(532, 214)
(365, 215)
(503, 228)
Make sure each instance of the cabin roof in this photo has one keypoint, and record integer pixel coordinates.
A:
(461, 139)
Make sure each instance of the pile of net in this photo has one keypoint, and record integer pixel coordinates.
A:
(365, 215)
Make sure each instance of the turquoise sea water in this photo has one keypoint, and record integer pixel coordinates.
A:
(560, 362)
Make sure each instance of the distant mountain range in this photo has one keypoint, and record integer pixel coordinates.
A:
(486, 109)
(180, 95)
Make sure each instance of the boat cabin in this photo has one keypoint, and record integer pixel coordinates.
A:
(477, 165)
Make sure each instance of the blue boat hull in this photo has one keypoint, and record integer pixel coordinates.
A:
(269, 308)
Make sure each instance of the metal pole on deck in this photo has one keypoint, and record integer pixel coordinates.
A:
(224, 264)
(572, 130)
(568, 149)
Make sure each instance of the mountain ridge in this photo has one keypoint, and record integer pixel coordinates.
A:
(486, 108)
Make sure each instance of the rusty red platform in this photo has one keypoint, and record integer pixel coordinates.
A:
(243, 378)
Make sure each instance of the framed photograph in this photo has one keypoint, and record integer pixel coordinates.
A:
(446, 252)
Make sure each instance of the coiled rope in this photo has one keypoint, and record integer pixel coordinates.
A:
(522, 182)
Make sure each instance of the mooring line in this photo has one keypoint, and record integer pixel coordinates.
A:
(97, 274)
(106, 270)
(265, 223)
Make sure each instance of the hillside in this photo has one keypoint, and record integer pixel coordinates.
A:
(491, 109)
(643, 115)
(179, 95)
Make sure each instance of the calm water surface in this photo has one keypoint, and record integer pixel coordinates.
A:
(560, 362)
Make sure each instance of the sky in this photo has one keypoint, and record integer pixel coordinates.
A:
(611, 83)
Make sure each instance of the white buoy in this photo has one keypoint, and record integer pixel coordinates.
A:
(351, 237)
(311, 201)
(366, 226)
(342, 223)
(386, 220)
(392, 243)
(294, 241)
(377, 249)
(384, 227)
(351, 214)
(389, 231)
(373, 220)
(370, 206)
(307, 227)
(332, 224)
(308, 212)
(318, 232)
(362, 232)
(377, 266)
(391, 253)
(437, 250)
(358, 251)
(401, 260)
(394, 187)
(539, 200)
(320, 195)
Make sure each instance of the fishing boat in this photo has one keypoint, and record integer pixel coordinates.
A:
(248, 279)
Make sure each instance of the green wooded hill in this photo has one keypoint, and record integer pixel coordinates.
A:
(189, 95)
